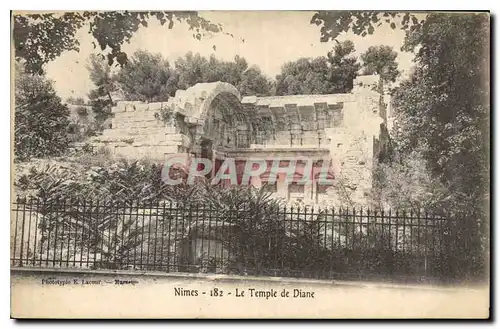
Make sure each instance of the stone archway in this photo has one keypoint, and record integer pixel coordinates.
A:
(221, 117)
(211, 110)
(219, 121)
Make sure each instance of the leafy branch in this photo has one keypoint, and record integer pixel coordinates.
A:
(41, 38)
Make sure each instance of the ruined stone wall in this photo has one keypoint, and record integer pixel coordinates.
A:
(137, 131)
(352, 146)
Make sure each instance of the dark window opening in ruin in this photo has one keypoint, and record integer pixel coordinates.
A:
(296, 191)
(207, 152)
(268, 128)
(262, 131)
(281, 124)
(260, 137)
(323, 119)
(309, 125)
(242, 140)
(183, 127)
(329, 120)
(216, 125)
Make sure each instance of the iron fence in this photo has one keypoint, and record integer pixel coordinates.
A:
(270, 241)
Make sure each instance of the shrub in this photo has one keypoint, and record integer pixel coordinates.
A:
(41, 120)
(256, 235)
(82, 111)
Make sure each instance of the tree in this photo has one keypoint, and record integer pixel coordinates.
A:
(303, 76)
(254, 82)
(344, 67)
(442, 112)
(193, 69)
(41, 38)
(322, 75)
(104, 82)
(41, 120)
(444, 109)
(75, 101)
(147, 77)
(406, 182)
(381, 60)
(445, 105)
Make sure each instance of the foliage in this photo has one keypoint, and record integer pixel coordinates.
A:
(61, 196)
(259, 234)
(75, 101)
(41, 120)
(101, 106)
(130, 184)
(193, 69)
(251, 214)
(441, 158)
(322, 75)
(104, 82)
(344, 67)
(304, 76)
(363, 23)
(444, 107)
(147, 77)
(382, 61)
(166, 114)
(80, 130)
(254, 82)
(68, 202)
(443, 110)
(82, 111)
(406, 183)
(42, 37)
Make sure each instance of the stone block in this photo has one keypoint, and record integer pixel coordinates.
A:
(157, 106)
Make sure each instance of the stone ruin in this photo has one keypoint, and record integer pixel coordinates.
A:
(213, 120)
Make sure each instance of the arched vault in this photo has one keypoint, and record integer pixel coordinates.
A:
(215, 112)
(197, 101)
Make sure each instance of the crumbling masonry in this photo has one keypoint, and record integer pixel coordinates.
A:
(212, 120)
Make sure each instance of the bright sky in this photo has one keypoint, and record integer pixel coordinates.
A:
(266, 39)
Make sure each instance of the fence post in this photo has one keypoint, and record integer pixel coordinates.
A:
(90, 238)
(169, 239)
(56, 219)
(390, 252)
(62, 214)
(449, 236)
(37, 207)
(332, 253)
(22, 235)
(426, 247)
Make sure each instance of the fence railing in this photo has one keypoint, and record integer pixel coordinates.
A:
(270, 241)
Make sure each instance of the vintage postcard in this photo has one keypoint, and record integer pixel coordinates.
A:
(246, 164)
